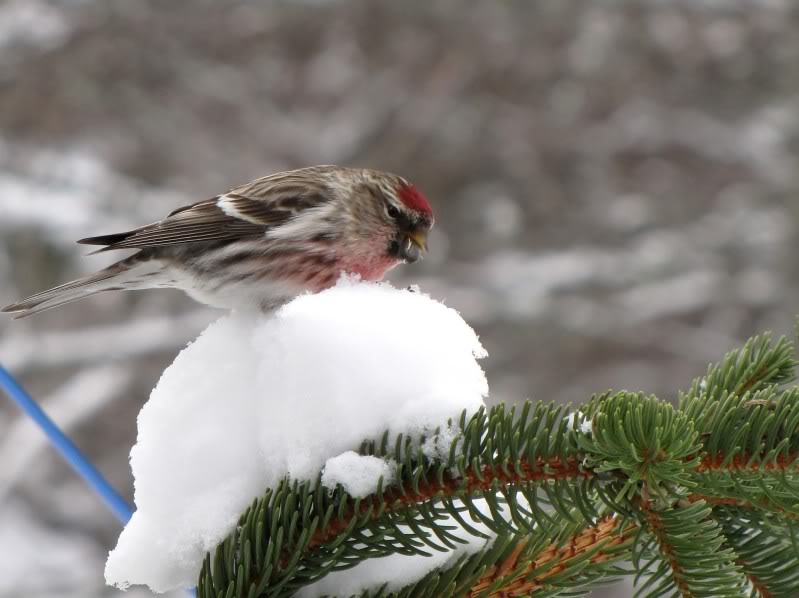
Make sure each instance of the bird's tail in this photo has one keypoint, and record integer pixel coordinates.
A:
(129, 274)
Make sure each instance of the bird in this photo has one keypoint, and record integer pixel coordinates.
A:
(261, 244)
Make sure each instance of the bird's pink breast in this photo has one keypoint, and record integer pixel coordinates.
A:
(371, 269)
(317, 276)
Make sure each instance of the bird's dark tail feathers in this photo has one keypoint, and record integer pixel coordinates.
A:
(128, 274)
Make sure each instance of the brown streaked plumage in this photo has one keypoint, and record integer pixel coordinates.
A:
(262, 243)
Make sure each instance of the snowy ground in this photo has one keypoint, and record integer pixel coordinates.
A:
(615, 186)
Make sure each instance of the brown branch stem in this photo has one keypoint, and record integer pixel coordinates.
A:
(744, 462)
(526, 582)
(656, 527)
(396, 500)
(763, 504)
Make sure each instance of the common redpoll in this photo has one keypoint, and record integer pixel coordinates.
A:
(261, 244)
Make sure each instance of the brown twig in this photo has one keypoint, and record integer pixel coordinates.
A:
(763, 504)
(526, 582)
(396, 500)
(656, 527)
(761, 589)
(743, 462)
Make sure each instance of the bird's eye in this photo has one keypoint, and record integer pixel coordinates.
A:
(393, 211)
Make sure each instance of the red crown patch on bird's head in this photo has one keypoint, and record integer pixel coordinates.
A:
(414, 200)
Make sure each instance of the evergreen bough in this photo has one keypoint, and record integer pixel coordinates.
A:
(696, 500)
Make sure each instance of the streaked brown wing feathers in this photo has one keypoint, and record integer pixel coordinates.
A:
(204, 221)
(249, 209)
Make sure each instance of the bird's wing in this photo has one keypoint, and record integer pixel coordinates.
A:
(247, 210)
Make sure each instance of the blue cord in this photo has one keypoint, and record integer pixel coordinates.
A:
(66, 447)
(69, 451)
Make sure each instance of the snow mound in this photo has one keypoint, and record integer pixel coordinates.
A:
(256, 398)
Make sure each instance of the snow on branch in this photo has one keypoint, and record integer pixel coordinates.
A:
(256, 399)
(342, 447)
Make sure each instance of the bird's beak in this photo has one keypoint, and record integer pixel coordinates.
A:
(418, 238)
(409, 246)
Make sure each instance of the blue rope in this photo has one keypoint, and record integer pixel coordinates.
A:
(71, 453)
(77, 460)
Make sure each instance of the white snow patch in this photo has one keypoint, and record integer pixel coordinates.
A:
(358, 474)
(584, 425)
(257, 398)
(439, 445)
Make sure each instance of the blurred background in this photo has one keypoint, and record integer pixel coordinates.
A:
(615, 185)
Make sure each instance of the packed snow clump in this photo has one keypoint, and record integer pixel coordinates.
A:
(358, 474)
(256, 398)
(584, 425)
(439, 445)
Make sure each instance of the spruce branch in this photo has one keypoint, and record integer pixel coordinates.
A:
(588, 553)
(766, 553)
(693, 558)
(698, 500)
(644, 440)
(761, 363)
